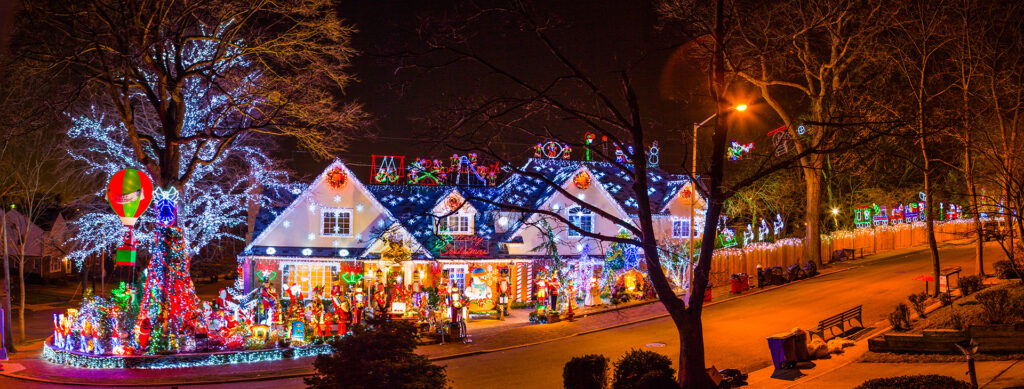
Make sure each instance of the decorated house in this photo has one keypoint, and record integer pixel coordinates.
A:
(484, 239)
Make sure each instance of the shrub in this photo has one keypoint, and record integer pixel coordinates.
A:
(1004, 269)
(931, 381)
(996, 305)
(586, 372)
(378, 355)
(969, 284)
(958, 321)
(900, 318)
(638, 367)
(945, 299)
(917, 301)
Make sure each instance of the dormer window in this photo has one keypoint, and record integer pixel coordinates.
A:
(335, 221)
(582, 218)
(455, 224)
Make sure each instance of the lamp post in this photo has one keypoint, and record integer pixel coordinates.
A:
(693, 190)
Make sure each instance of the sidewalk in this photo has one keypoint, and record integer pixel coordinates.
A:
(843, 371)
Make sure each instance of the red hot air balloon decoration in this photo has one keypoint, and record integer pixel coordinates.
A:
(130, 192)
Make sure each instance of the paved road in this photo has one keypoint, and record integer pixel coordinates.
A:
(734, 331)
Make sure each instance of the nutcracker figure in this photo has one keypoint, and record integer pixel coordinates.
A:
(553, 286)
(542, 290)
(359, 304)
(503, 291)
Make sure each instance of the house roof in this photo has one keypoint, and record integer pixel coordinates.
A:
(529, 192)
(278, 200)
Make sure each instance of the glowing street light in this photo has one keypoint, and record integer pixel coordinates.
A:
(693, 190)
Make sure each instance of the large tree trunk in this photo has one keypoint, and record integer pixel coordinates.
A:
(8, 336)
(929, 222)
(21, 287)
(812, 216)
(979, 243)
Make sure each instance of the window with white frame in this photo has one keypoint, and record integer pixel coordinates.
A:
(335, 222)
(56, 266)
(308, 276)
(680, 228)
(456, 224)
(457, 275)
(582, 218)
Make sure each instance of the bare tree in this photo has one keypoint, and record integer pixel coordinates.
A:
(566, 101)
(187, 79)
(805, 58)
(33, 194)
(916, 40)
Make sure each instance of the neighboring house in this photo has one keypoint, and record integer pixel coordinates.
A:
(338, 230)
(45, 243)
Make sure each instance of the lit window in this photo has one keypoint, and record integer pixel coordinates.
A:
(681, 228)
(582, 218)
(55, 265)
(457, 224)
(308, 277)
(335, 222)
(457, 275)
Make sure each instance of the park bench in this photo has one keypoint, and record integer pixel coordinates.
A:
(837, 321)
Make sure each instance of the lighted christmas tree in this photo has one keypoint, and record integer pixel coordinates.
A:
(169, 307)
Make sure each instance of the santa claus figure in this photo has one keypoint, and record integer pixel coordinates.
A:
(542, 290)
(295, 308)
(342, 310)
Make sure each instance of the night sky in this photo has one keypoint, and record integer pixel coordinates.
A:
(602, 37)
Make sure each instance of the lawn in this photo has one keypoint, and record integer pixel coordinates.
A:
(970, 310)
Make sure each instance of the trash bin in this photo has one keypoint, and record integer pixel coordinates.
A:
(800, 344)
(783, 350)
(739, 283)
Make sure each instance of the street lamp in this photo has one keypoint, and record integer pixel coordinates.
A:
(693, 186)
(835, 212)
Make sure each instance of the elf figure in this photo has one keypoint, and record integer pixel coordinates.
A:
(542, 290)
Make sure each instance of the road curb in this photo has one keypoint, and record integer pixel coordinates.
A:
(659, 316)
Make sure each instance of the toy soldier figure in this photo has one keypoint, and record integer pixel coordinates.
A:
(542, 290)
(503, 290)
(553, 286)
(457, 302)
(359, 304)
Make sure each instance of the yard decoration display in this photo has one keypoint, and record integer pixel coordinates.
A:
(862, 217)
(552, 150)
(387, 169)
(336, 178)
(582, 180)
(881, 217)
(129, 192)
(653, 159)
(427, 172)
(737, 151)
